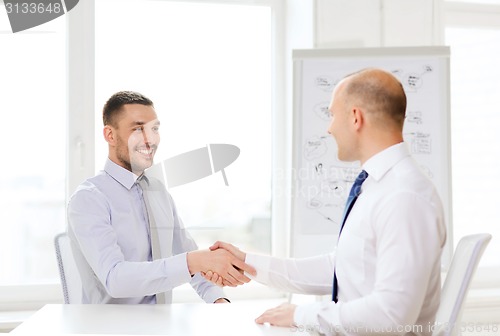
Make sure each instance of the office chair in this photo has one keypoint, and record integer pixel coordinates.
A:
(68, 272)
(454, 292)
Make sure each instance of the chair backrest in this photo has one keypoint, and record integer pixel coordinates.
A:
(70, 278)
(463, 265)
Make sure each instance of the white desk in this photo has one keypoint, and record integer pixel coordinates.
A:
(176, 319)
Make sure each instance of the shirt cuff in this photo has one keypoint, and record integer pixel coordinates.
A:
(176, 269)
(261, 264)
(223, 298)
(208, 291)
(213, 294)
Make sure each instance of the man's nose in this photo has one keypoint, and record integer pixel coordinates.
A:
(150, 136)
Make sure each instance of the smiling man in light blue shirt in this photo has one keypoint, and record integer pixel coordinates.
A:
(111, 223)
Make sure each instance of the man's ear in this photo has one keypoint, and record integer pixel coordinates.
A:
(109, 134)
(358, 117)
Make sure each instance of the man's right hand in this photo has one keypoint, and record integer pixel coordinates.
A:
(230, 248)
(228, 266)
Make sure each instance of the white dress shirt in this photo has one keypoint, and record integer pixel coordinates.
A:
(387, 259)
(109, 232)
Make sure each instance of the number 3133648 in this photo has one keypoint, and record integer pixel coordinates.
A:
(33, 8)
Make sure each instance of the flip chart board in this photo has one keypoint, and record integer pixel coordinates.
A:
(321, 182)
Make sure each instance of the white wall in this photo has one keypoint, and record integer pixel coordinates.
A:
(377, 23)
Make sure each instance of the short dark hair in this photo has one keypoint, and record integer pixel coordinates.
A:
(116, 102)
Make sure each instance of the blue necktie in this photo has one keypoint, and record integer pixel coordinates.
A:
(353, 196)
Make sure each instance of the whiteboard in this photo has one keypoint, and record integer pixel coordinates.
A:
(320, 182)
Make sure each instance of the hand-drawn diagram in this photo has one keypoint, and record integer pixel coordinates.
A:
(315, 147)
(325, 83)
(414, 117)
(325, 189)
(321, 110)
(412, 81)
(420, 143)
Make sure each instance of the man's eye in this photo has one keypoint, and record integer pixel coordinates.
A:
(156, 129)
(138, 129)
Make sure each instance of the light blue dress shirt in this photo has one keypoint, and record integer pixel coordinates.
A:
(109, 232)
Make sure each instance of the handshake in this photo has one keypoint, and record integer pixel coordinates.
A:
(223, 264)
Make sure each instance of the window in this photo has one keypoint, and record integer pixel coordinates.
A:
(475, 87)
(32, 173)
(207, 68)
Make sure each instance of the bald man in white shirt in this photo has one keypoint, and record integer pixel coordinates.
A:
(387, 261)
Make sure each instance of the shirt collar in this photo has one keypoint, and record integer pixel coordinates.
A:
(379, 164)
(120, 174)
